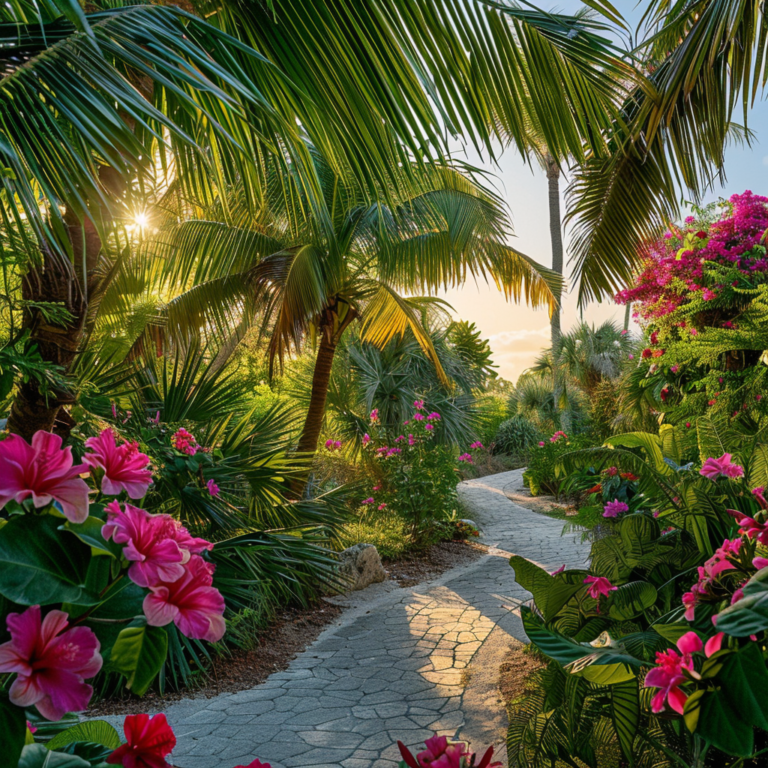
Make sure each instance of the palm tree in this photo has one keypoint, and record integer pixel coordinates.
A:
(302, 282)
(95, 105)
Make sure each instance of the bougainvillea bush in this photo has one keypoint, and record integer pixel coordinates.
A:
(701, 298)
(658, 648)
(543, 473)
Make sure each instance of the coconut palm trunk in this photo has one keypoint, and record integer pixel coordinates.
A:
(321, 377)
(556, 238)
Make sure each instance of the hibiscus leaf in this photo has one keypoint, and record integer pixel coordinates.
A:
(139, 654)
(750, 615)
(94, 731)
(719, 723)
(550, 593)
(13, 729)
(37, 756)
(41, 565)
(744, 681)
(89, 532)
(630, 600)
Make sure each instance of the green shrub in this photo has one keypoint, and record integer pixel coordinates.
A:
(515, 436)
(544, 474)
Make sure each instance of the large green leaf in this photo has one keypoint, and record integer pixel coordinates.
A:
(550, 593)
(37, 756)
(744, 681)
(650, 443)
(93, 731)
(13, 730)
(631, 599)
(139, 654)
(570, 654)
(750, 615)
(89, 532)
(625, 713)
(41, 565)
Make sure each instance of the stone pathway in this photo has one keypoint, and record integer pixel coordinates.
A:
(402, 664)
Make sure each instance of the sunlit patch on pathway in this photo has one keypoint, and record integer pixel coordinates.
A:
(407, 664)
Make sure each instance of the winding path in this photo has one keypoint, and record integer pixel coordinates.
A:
(401, 663)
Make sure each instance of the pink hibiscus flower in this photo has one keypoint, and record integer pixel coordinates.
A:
(669, 675)
(125, 467)
(213, 489)
(154, 555)
(599, 585)
(722, 467)
(51, 662)
(44, 471)
(191, 603)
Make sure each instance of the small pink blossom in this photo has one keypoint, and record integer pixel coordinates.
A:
(192, 603)
(624, 332)
(213, 489)
(418, 417)
(381, 507)
(722, 467)
(400, 438)
(476, 445)
(374, 415)
(759, 494)
(51, 662)
(614, 508)
(411, 440)
(557, 436)
(674, 368)
(418, 405)
(434, 416)
(125, 467)
(760, 563)
(44, 471)
(184, 441)
(631, 357)
(369, 500)
(429, 427)
(366, 439)
(467, 457)
(376, 488)
(599, 585)
(541, 443)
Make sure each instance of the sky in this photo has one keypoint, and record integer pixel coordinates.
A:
(517, 334)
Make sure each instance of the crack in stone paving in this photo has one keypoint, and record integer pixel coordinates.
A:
(400, 665)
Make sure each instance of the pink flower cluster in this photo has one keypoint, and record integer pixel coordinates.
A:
(466, 457)
(559, 434)
(46, 472)
(442, 753)
(333, 445)
(614, 508)
(671, 668)
(670, 273)
(125, 467)
(709, 572)
(722, 467)
(165, 558)
(185, 442)
(477, 445)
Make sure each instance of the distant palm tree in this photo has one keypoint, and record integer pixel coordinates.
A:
(307, 283)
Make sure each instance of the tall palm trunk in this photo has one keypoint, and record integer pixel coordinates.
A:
(556, 238)
(321, 378)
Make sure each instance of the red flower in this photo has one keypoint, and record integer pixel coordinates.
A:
(629, 476)
(655, 337)
(150, 740)
(596, 489)
(647, 353)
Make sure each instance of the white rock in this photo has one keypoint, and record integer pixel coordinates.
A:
(360, 566)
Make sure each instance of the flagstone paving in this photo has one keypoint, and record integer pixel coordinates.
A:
(399, 664)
